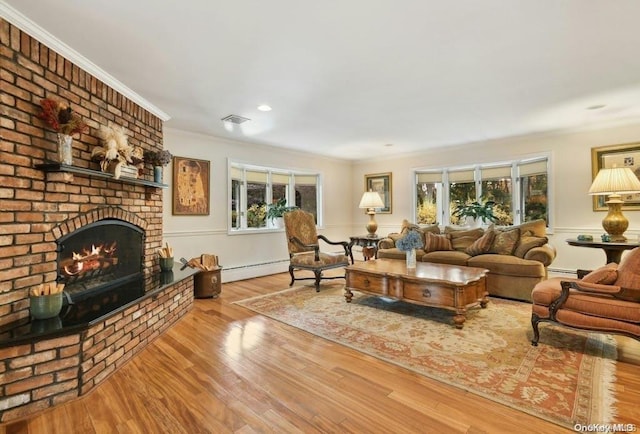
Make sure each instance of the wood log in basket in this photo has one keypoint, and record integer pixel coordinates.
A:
(205, 262)
(46, 289)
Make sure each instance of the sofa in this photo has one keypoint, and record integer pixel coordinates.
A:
(517, 257)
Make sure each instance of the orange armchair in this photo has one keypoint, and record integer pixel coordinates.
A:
(606, 300)
(304, 248)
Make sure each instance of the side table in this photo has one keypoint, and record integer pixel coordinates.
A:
(368, 243)
(613, 250)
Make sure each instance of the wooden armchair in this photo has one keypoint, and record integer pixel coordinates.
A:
(606, 299)
(304, 248)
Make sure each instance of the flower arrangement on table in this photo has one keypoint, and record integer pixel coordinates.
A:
(158, 158)
(411, 241)
(60, 117)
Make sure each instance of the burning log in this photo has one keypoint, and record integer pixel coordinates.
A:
(90, 260)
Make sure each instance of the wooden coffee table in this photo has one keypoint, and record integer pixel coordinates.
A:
(450, 287)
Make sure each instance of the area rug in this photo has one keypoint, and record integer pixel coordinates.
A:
(567, 379)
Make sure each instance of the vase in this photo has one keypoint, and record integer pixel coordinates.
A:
(65, 155)
(411, 258)
(157, 174)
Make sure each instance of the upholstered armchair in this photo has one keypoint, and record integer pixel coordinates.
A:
(606, 299)
(304, 248)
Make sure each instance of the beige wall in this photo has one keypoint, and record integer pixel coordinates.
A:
(252, 255)
(570, 155)
(248, 255)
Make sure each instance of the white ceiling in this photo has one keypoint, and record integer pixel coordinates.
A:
(347, 77)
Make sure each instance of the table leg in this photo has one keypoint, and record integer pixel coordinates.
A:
(484, 301)
(368, 252)
(459, 318)
(613, 255)
(348, 295)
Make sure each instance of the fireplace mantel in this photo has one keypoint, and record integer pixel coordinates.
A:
(58, 167)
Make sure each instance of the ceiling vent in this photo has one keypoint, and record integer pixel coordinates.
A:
(235, 119)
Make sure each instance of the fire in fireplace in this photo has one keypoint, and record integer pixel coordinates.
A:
(99, 256)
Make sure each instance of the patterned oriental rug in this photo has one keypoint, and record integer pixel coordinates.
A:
(567, 379)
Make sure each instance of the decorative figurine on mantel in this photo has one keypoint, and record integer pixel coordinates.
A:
(63, 121)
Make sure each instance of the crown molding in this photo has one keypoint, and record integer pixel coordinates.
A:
(25, 24)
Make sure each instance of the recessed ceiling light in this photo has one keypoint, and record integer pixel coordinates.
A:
(596, 107)
(264, 108)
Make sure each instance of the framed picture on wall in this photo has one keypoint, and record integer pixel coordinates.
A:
(190, 186)
(380, 182)
(606, 157)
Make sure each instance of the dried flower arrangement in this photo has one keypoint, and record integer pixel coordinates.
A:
(158, 158)
(115, 151)
(60, 117)
(412, 240)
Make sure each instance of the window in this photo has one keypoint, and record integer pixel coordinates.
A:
(532, 176)
(518, 188)
(428, 196)
(462, 189)
(496, 185)
(252, 188)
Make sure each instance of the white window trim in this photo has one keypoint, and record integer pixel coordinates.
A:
(515, 178)
(244, 166)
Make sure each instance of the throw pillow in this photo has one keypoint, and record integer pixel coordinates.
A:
(537, 228)
(461, 239)
(528, 242)
(435, 242)
(606, 275)
(482, 244)
(406, 226)
(505, 241)
(629, 276)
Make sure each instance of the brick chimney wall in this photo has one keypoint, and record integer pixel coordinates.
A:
(36, 208)
(34, 203)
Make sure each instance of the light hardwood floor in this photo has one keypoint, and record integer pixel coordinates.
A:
(224, 369)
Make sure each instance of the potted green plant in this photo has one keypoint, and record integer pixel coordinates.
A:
(476, 211)
(276, 210)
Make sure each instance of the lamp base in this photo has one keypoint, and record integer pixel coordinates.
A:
(372, 226)
(615, 223)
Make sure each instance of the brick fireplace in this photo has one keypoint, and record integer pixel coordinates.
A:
(40, 207)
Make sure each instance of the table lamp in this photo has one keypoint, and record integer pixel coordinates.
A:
(614, 182)
(371, 200)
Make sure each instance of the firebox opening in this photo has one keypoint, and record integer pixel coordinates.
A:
(98, 256)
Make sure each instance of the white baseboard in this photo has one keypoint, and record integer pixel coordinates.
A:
(254, 270)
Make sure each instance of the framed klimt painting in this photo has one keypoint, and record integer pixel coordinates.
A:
(190, 186)
(380, 182)
(606, 157)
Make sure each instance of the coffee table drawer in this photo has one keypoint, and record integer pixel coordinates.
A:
(367, 282)
(430, 293)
